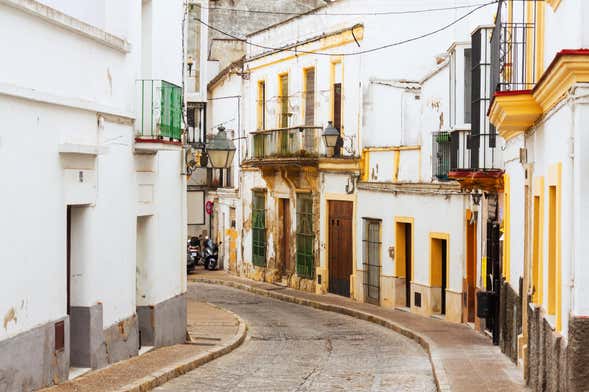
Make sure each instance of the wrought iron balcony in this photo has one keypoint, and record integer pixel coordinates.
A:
(159, 110)
(459, 152)
(294, 142)
(513, 53)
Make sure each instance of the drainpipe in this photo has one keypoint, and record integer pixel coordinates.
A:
(572, 200)
(403, 118)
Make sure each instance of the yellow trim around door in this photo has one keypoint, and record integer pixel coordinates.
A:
(435, 273)
(400, 243)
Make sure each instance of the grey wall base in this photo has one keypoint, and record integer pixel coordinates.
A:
(163, 324)
(122, 340)
(510, 309)
(87, 337)
(28, 361)
(547, 356)
(578, 354)
(94, 347)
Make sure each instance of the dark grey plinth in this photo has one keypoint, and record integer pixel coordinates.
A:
(163, 324)
(29, 361)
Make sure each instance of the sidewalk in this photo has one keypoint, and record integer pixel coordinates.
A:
(213, 332)
(462, 360)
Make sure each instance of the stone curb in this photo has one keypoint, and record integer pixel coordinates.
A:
(170, 372)
(428, 345)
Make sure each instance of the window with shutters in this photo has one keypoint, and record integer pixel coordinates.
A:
(283, 101)
(259, 229)
(261, 104)
(309, 96)
(305, 236)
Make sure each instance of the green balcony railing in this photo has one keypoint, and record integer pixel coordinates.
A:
(303, 141)
(159, 110)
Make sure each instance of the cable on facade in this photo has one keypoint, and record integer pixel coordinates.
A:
(319, 13)
(398, 43)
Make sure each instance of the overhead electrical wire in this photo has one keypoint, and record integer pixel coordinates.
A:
(319, 13)
(292, 48)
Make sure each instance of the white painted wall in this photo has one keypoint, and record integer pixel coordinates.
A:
(549, 143)
(432, 213)
(407, 62)
(60, 88)
(225, 108)
(191, 94)
(294, 68)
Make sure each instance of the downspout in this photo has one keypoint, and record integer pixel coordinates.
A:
(572, 201)
(403, 118)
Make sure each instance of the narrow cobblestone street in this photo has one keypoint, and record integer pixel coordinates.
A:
(296, 348)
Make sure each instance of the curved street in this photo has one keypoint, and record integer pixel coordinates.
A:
(296, 348)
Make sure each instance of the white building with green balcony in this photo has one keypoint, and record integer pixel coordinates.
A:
(93, 186)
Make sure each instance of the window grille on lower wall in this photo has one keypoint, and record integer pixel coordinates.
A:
(305, 236)
(259, 229)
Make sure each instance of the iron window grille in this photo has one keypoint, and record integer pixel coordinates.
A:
(372, 249)
(259, 229)
(305, 236)
(442, 149)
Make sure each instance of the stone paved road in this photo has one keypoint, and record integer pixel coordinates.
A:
(296, 348)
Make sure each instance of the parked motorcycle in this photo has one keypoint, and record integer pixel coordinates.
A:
(193, 253)
(210, 254)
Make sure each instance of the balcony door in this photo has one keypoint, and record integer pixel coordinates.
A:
(337, 113)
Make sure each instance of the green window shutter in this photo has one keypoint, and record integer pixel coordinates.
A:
(259, 229)
(171, 111)
(305, 236)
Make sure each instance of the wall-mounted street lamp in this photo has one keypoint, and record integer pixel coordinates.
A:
(330, 135)
(189, 64)
(476, 201)
(221, 150)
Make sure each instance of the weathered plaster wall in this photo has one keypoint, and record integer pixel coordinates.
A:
(398, 26)
(277, 187)
(242, 23)
(29, 360)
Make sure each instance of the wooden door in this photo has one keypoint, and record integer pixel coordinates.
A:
(284, 211)
(340, 246)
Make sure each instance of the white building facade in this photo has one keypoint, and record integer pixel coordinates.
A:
(93, 199)
(540, 107)
(347, 223)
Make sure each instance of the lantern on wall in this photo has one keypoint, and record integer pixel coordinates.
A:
(221, 150)
(330, 135)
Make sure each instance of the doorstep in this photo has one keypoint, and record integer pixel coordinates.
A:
(145, 349)
(76, 372)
